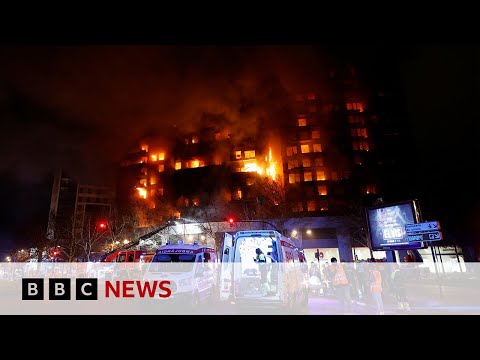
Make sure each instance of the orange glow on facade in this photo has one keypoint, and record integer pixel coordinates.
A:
(153, 157)
(268, 168)
(161, 156)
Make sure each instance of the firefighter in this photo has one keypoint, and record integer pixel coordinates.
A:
(376, 288)
(341, 286)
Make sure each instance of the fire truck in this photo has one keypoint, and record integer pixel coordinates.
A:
(124, 254)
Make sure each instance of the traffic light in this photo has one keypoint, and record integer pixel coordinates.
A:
(102, 225)
(55, 253)
(231, 221)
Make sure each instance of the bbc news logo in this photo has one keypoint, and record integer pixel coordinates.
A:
(87, 289)
(59, 289)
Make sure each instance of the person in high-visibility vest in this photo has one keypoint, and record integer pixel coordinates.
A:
(376, 288)
(341, 285)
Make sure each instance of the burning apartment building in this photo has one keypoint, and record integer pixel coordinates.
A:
(328, 150)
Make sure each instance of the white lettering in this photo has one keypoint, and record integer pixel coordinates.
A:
(82, 289)
(59, 289)
(32, 289)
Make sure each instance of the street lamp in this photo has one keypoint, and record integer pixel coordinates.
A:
(9, 258)
(125, 241)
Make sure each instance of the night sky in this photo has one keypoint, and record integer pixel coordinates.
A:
(82, 108)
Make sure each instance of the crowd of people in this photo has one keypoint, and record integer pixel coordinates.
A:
(365, 281)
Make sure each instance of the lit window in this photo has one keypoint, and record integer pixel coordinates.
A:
(364, 133)
(292, 164)
(237, 194)
(291, 150)
(154, 157)
(152, 192)
(143, 182)
(321, 175)
(323, 206)
(311, 205)
(312, 108)
(316, 134)
(355, 106)
(319, 161)
(145, 148)
(238, 154)
(307, 176)
(144, 171)
(161, 168)
(305, 149)
(334, 175)
(194, 163)
(317, 147)
(160, 191)
(178, 165)
(153, 181)
(249, 154)
(291, 178)
(306, 163)
(297, 207)
(161, 156)
(370, 189)
(194, 139)
(302, 122)
(322, 190)
(195, 202)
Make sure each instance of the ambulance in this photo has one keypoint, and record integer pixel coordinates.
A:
(190, 268)
(263, 268)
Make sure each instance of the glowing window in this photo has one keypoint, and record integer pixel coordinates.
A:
(292, 164)
(161, 156)
(195, 202)
(307, 176)
(194, 139)
(143, 182)
(249, 154)
(291, 150)
(323, 206)
(297, 207)
(371, 189)
(237, 194)
(145, 148)
(152, 192)
(305, 149)
(316, 134)
(317, 147)
(194, 163)
(238, 154)
(319, 161)
(178, 165)
(306, 163)
(160, 191)
(161, 168)
(291, 178)
(322, 189)
(311, 205)
(153, 181)
(144, 171)
(154, 157)
(302, 122)
(321, 175)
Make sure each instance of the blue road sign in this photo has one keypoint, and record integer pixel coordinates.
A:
(424, 226)
(425, 236)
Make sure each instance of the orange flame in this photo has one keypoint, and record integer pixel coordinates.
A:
(142, 192)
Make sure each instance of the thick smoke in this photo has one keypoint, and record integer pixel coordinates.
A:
(89, 105)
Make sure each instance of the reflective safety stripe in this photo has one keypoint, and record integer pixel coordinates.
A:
(376, 285)
(340, 278)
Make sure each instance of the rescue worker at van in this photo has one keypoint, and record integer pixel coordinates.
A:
(376, 288)
(261, 259)
(341, 286)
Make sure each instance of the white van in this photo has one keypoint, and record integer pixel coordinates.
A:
(190, 270)
(263, 268)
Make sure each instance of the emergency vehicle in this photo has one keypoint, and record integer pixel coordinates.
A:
(280, 278)
(190, 268)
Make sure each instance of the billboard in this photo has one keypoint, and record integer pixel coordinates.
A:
(386, 225)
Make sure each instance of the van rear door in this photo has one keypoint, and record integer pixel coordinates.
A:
(226, 269)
